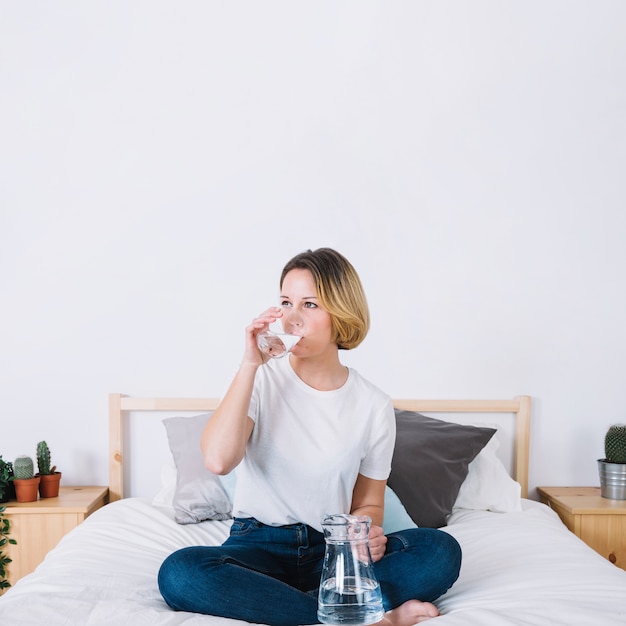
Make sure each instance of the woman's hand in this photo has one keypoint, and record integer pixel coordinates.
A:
(252, 354)
(368, 498)
(378, 543)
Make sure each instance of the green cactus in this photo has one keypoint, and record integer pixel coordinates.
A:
(615, 444)
(43, 459)
(23, 468)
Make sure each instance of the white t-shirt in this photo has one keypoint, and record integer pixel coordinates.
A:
(308, 446)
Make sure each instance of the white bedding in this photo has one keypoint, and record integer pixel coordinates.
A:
(518, 569)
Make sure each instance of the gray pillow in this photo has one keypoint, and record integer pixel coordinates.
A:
(200, 494)
(430, 463)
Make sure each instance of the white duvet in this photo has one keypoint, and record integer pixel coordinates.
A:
(518, 569)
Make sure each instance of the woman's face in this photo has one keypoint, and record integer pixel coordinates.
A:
(303, 314)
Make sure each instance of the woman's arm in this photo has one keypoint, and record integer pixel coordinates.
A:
(368, 498)
(226, 434)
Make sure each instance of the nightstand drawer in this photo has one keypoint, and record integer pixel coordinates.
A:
(606, 534)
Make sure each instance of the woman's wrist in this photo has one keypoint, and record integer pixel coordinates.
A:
(249, 367)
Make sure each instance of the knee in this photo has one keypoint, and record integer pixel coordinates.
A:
(450, 554)
(432, 545)
(453, 547)
(173, 576)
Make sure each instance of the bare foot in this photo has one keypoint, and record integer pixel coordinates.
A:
(410, 613)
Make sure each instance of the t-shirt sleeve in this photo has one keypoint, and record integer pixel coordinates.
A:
(255, 399)
(376, 463)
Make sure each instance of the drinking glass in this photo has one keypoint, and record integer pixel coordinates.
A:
(275, 342)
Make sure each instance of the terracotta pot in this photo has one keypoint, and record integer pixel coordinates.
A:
(26, 489)
(49, 485)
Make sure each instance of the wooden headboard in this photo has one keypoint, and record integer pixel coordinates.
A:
(120, 405)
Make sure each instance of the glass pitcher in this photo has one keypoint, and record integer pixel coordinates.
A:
(349, 592)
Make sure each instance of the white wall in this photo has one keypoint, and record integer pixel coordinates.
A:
(160, 161)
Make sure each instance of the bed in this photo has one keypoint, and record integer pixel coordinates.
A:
(521, 566)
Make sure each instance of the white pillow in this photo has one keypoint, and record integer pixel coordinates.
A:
(488, 486)
(165, 495)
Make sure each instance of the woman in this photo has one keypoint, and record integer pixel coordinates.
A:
(308, 436)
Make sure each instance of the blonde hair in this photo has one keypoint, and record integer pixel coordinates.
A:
(339, 291)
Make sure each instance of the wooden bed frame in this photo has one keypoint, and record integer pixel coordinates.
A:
(120, 405)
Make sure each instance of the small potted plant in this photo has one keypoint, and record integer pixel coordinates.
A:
(612, 468)
(50, 478)
(7, 488)
(26, 483)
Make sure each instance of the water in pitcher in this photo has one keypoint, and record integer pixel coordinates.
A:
(355, 601)
(349, 592)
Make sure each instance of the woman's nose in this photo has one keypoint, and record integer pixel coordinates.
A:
(292, 320)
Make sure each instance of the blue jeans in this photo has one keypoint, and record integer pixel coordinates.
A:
(270, 575)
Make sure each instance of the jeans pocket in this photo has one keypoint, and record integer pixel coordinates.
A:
(242, 526)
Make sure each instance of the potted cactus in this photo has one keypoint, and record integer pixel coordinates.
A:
(612, 468)
(26, 483)
(50, 478)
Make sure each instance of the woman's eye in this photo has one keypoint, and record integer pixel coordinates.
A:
(310, 305)
(285, 303)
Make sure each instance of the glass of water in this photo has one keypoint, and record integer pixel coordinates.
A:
(275, 342)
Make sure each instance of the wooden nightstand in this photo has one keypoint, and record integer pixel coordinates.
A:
(38, 526)
(598, 521)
